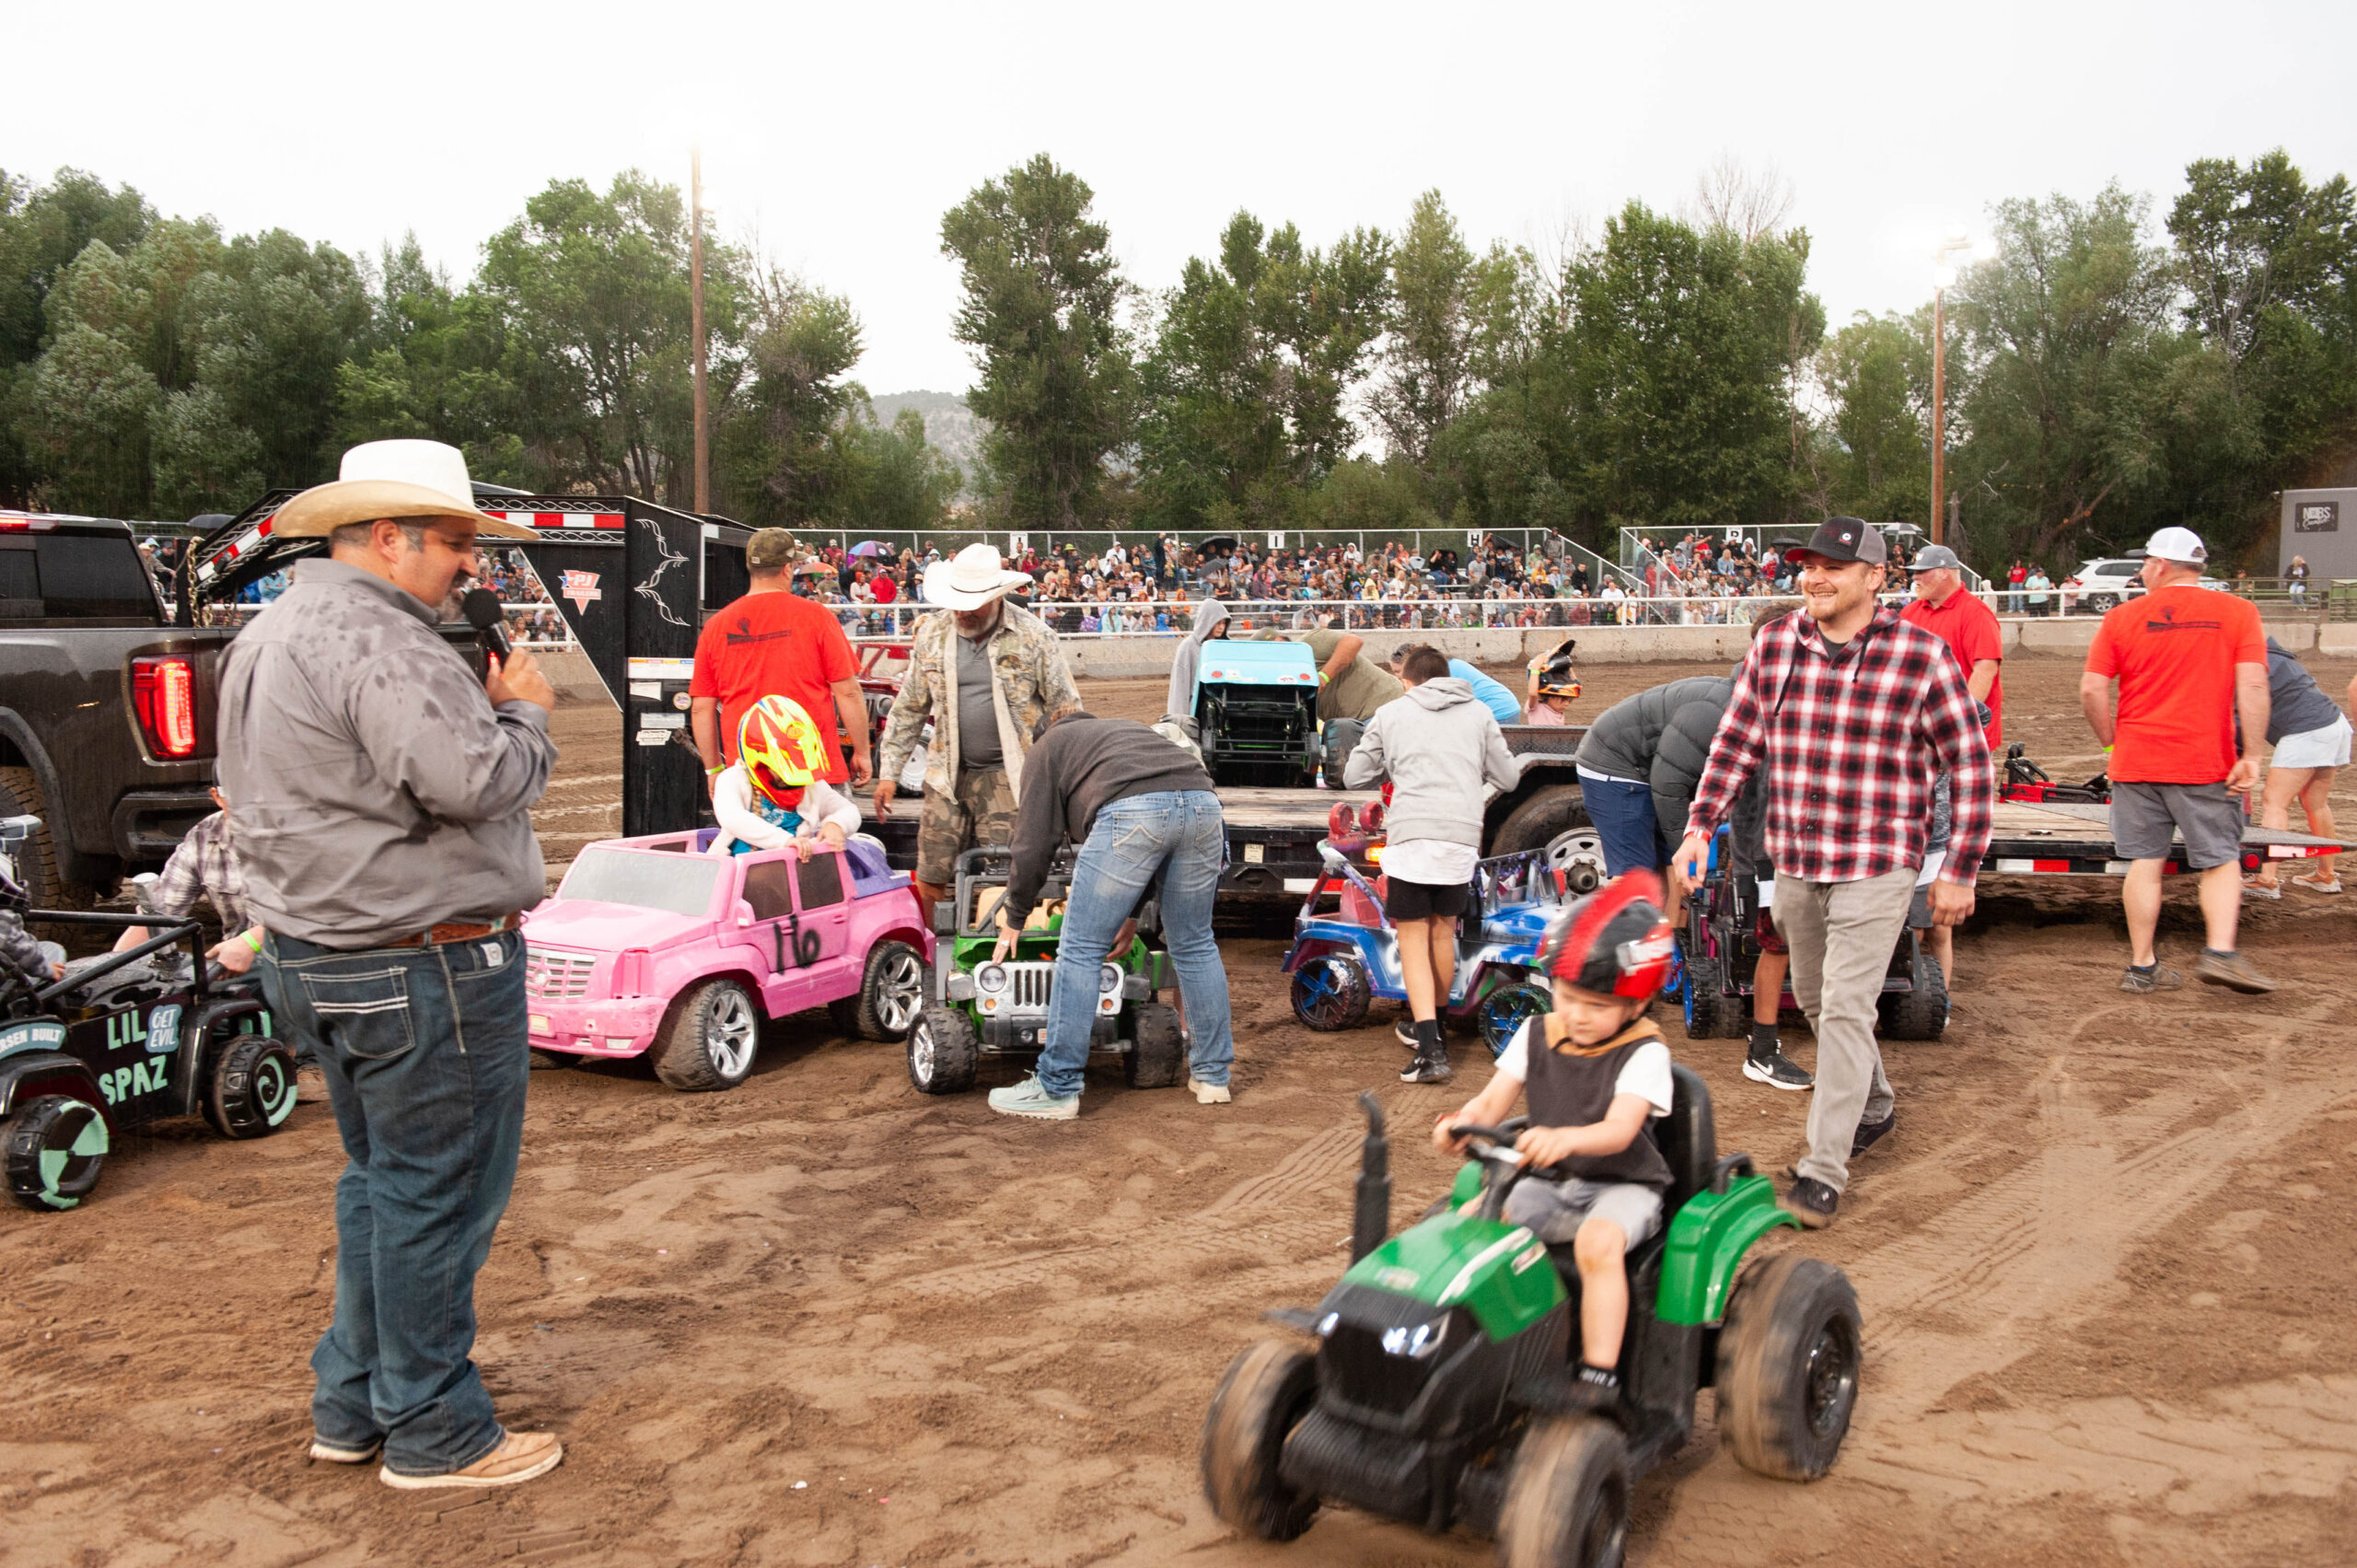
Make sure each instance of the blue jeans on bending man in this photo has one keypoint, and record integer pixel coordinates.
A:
(426, 1056)
(1175, 838)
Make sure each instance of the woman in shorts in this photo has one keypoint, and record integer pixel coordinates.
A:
(2311, 738)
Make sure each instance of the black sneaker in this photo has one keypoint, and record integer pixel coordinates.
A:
(1811, 1201)
(1594, 1388)
(1776, 1070)
(1404, 1031)
(1869, 1133)
(1429, 1067)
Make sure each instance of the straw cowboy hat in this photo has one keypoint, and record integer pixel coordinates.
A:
(971, 578)
(391, 478)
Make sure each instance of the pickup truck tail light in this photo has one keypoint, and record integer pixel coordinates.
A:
(162, 693)
(633, 972)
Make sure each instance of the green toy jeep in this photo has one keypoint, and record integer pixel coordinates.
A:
(1437, 1386)
(982, 1006)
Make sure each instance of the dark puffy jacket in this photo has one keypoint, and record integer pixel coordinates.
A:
(1623, 741)
(1684, 747)
(1663, 735)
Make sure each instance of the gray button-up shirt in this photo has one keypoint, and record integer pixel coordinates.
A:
(375, 791)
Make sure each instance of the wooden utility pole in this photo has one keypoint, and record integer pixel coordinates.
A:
(1940, 280)
(695, 311)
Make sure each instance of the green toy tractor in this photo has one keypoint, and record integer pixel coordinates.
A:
(1439, 1389)
(984, 1006)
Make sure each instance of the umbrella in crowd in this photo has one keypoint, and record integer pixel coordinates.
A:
(871, 548)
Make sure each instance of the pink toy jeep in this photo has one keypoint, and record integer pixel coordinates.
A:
(652, 946)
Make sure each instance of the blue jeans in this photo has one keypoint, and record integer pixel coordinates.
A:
(1623, 815)
(1177, 836)
(424, 1054)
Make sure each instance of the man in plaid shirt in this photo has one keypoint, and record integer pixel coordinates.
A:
(1853, 712)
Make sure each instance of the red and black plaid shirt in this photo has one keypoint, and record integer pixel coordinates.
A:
(1851, 739)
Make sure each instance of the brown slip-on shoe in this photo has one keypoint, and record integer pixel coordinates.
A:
(336, 1454)
(2232, 970)
(520, 1457)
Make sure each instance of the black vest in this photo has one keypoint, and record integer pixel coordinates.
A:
(1571, 1085)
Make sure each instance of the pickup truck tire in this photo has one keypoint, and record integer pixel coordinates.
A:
(709, 1039)
(1555, 819)
(37, 866)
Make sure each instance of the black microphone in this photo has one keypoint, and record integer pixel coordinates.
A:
(481, 607)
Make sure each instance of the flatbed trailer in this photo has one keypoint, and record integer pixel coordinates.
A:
(2069, 838)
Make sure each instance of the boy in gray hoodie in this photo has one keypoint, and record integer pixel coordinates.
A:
(1443, 752)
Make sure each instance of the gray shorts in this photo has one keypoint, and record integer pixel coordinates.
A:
(2144, 816)
(1555, 1210)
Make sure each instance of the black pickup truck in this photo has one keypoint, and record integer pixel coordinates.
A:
(106, 708)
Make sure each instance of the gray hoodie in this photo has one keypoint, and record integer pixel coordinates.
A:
(1441, 748)
(1179, 703)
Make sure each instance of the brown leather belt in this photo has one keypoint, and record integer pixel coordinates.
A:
(473, 931)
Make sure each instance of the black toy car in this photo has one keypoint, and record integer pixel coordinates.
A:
(120, 1042)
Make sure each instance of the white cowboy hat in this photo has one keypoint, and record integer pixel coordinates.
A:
(391, 478)
(971, 578)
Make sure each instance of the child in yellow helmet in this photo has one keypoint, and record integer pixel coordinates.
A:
(773, 794)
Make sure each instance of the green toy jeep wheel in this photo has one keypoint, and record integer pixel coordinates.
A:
(943, 1052)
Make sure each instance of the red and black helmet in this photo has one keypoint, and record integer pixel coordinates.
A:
(1615, 941)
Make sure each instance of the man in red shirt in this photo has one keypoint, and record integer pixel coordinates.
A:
(2188, 661)
(774, 642)
(1943, 608)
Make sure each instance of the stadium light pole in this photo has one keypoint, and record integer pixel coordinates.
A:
(1943, 275)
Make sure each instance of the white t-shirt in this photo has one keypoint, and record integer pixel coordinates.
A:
(1435, 863)
(1646, 1072)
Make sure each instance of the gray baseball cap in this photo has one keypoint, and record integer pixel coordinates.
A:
(1934, 558)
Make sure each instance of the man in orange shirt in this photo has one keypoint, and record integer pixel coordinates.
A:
(2189, 660)
(773, 642)
(1970, 629)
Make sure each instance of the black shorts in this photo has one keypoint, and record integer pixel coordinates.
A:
(1420, 900)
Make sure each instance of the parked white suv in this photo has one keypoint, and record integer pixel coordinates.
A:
(2100, 586)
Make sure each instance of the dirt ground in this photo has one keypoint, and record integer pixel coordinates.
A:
(2106, 1264)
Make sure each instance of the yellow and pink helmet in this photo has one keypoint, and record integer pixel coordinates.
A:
(782, 750)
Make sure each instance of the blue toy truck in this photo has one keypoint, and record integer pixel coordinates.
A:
(1345, 957)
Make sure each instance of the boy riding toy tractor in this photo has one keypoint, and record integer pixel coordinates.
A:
(1512, 1363)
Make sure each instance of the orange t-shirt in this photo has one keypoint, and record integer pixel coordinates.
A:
(1970, 629)
(773, 643)
(2174, 651)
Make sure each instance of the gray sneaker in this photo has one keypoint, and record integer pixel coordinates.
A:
(2143, 981)
(1027, 1098)
(2232, 970)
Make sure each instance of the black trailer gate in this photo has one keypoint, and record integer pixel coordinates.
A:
(634, 581)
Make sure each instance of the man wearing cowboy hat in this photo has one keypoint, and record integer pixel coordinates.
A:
(985, 673)
(381, 797)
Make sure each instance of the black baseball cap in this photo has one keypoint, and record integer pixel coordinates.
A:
(1848, 539)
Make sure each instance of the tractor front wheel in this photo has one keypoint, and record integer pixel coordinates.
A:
(1269, 1387)
(1157, 1057)
(1567, 1497)
(943, 1052)
(1330, 992)
(1788, 1367)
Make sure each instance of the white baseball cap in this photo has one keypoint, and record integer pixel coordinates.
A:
(2180, 545)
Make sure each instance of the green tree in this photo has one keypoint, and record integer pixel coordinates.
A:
(1244, 386)
(2070, 377)
(1042, 296)
(890, 478)
(1451, 312)
(432, 370)
(782, 447)
(592, 299)
(1677, 369)
(1878, 370)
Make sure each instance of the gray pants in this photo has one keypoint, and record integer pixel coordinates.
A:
(1841, 934)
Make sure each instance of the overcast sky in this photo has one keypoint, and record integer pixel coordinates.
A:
(840, 135)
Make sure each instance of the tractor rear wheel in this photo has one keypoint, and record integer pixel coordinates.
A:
(1330, 992)
(1922, 1011)
(1711, 1013)
(1269, 1387)
(1157, 1057)
(1788, 1367)
(1567, 1497)
(944, 1052)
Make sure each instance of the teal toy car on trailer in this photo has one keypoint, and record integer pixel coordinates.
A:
(1255, 706)
(1436, 1383)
